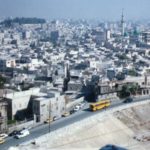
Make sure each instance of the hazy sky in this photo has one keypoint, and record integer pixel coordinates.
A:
(90, 9)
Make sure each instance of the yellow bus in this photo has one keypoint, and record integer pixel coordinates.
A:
(100, 105)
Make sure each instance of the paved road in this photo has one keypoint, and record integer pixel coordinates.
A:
(43, 129)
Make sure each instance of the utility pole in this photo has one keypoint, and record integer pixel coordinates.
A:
(49, 127)
(65, 102)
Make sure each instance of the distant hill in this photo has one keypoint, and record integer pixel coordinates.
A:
(10, 22)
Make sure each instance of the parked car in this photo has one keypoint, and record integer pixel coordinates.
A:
(3, 135)
(72, 111)
(66, 114)
(81, 105)
(128, 100)
(22, 133)
(56, 118)
(77, 107)
(48, 120)
(13, 133)
(2, 140)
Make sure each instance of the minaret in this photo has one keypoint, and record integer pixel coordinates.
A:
(66, 70)
(122, 28)
(122, 23)
(66, 78)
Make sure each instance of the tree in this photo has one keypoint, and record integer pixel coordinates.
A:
(128, 90)
(2, 81)
(132, 72)
(133, 88)
(122, 57)
(124, 92)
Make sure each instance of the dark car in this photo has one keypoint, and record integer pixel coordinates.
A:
(13, 133)
(128, 100)
(72, 111)
(112, 147)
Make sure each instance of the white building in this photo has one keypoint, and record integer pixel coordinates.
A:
(7, 62)
(108, 34)
(146, 37)
(50, 106)
(18, 101)
(1, 37)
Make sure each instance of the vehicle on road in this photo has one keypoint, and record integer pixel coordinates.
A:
(3, 135)
(72, 111)
(128, 100)
(2, 140)
(13, 133)
(56, 118)
(76, 108)
(100, 105)
(66, 114)
(82, 105)
(22, 133)
(48, 120)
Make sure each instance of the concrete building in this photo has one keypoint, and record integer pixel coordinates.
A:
(26, 34)
(18, 103)
(7, 62)
(100, 37)
(95, 64)
(75, 85)
(111, 73)
(3, 115)
(1, 38)
(54, 36)
(50, 106)
(146, 37)
(108, 35)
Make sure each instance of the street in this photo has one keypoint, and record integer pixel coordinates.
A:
(43, 129)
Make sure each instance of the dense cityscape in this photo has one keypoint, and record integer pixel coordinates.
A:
(51, 71)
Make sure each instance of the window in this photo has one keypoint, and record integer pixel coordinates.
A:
(34, 107)
(20, 105)
(42, 105)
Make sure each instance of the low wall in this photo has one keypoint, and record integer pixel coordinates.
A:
(72, 104)
(28, 124)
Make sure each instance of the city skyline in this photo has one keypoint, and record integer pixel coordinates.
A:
(76, 9)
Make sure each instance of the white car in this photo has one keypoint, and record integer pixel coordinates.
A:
(56, 118)
(3, 135)
(77, 107)
(22, 133)
(81, 105)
